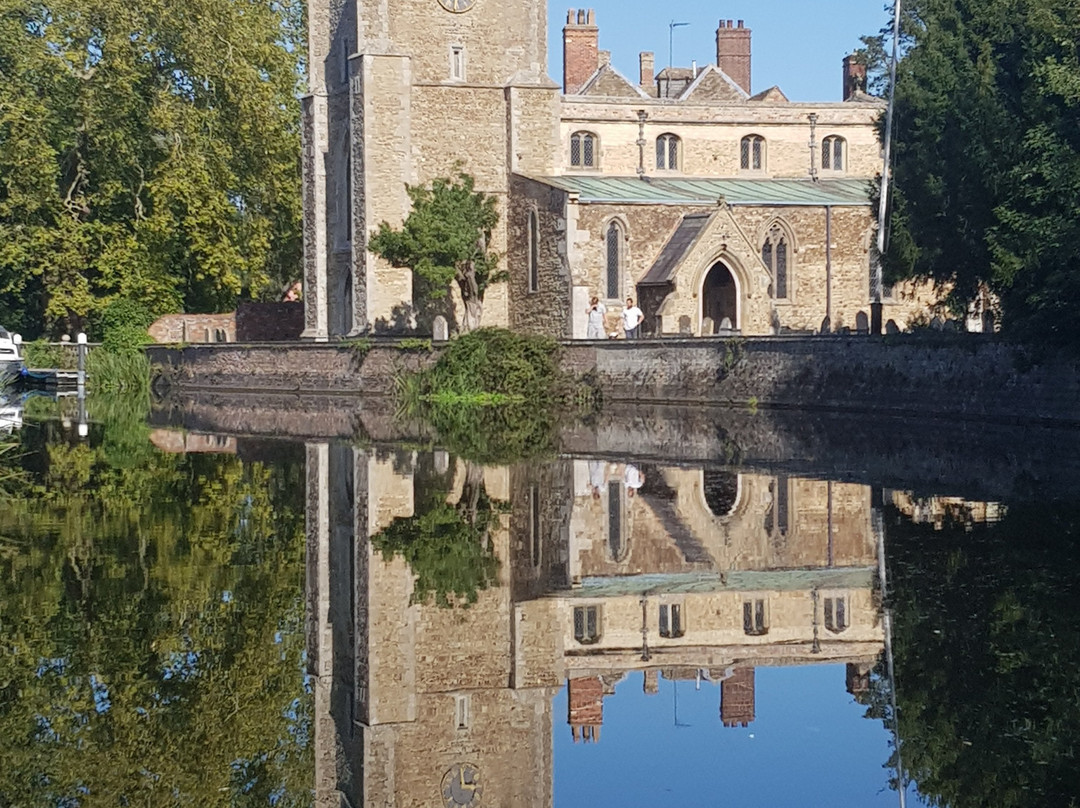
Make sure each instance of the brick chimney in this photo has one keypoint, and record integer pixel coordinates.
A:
(737, 698)
(581, 40)
(733, 52)
(854, 75)
(648, 70)
(586, 708)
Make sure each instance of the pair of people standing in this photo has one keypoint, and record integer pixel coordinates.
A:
(631, 318)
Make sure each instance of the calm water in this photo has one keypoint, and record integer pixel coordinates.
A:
(206, 620)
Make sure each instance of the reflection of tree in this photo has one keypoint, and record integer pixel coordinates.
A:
(151, 627)
(987, 643)
(448, 546)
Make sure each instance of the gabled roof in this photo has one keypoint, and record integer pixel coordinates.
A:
(707, 191)
(773, 95)
(713, 84)
(675, 249)
(608, 82)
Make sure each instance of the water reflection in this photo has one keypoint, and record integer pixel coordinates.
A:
(228, 621)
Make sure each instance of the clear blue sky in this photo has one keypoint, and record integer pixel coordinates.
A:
(797, 44)
(810, 745)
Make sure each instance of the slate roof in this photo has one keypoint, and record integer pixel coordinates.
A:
(708, 191)
(792, 580)
(677, 246)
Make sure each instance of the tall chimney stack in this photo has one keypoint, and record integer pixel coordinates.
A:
(854, 75)
(647, 63)
(581, 41)
(733, 52)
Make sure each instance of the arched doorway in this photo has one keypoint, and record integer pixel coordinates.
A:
(719, 299)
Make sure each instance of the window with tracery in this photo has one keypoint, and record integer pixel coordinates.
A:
(587, 624)
(836, 617)
(752, 153)
(583, 150)
(671, 620)
(755, 623)
(614, 260)
(667, 152)
(832, 153)
(774, 254)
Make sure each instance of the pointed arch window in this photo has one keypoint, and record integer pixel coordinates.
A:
(775, 254)
(613, 276)
(667, 152)
(752, 153)
(583, 152)
(534, 252)
(836, 614)
(833, 155)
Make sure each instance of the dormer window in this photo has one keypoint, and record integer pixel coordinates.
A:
(583, 150)
(667, 152)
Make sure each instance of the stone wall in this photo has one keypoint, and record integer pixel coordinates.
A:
(952, 376)
(194, 328)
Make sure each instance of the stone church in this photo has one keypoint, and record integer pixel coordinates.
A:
(719, 206)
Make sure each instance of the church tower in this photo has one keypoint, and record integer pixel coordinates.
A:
(402, 92)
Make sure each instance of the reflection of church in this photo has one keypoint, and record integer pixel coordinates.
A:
(604, 569)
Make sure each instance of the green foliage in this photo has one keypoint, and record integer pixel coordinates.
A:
(416, 344)
(448, 546)
(446, 239)
(152, 629)
(987, 648)
(148, 151)
(122, 325)
(494, 396)
(987, 157)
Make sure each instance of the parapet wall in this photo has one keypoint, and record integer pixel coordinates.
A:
(968, 377)
(955, 376)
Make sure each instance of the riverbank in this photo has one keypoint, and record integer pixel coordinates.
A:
(958, 377)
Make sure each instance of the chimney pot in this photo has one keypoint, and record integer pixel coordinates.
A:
(740, 23)
(729, 25)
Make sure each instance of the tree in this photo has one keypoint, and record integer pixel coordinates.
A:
(446, 238)
(987, 157)
(148, 151)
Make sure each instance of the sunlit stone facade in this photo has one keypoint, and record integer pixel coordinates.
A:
(599, 182)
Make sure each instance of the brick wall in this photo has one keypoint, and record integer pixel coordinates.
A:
(269, 322)
(737, 698)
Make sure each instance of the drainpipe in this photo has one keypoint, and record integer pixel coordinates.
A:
(813, 146)
(642, 116)
(828, 267)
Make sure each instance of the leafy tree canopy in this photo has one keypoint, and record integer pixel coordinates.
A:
(987, 156)
(148, 151)
(446, 238)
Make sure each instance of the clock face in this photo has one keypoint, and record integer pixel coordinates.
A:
(461, 786)
(457, 6)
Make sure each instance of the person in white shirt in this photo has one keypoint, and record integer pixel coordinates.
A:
(633, 479)
(631, 319)
(596, 312)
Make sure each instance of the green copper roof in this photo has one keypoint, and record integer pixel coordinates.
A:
(704, 191)
(734, 581)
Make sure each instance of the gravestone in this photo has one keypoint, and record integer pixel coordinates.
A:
(442, 459)
(891, 327)
(707, 327)
(725, 325)
(684, 325)
(862, 323)
(937, 324)
(440, 331)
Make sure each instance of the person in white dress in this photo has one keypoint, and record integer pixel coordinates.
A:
(596, 312)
